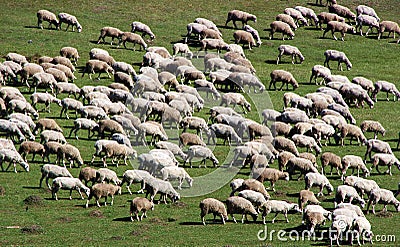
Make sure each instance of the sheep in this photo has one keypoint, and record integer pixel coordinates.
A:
(50, 148)
(269, 115)
(306, 141)
(182, 49)
(346, 191)
(293, 116)
(331, 159)
(59, 75)
(135, 176)
(143, 28)
(28, 70)
(154, 131)
(387, 87)
(288, 20)
(32, 147)
(83, 123)
(239, 205)
(366, 10)
(318, 209)
(364, 83)
(353, 207)
(70, 153)
(103, 190)
(363, 186)
(251, 184)
(15, 67)
(7, 144)
(105, 58)
(308, 13)
(109, 32)
(285, 144)
(223, 131)
(155, 185)
(313, 220)
(214, 206)
(341, 27)
(362, 227)
(174, 148)
(244, 37)
(280, 128)
(238, 15)
(359, 95)
(385, 160)
(296, 15)
(289, 50)
(195, 28)
(389, 26)
(88, 174)
(335, 94)
(342, 11)
(17, 58)
(337, 56)
(107, 175)
(235, 99)
(132, 38)
(93, 112)
(68, 183)
(64, 61)
(217, 44)
(276, 206)
(24, 128)
(70, 104)
(126, 124)
(315, 179)
(254, 33)
(354, 161)
(320, 71)
(384, 197)
(13, 157)
(45, 15)
(281, 27)
(307, 196)
(285, 77)
(70, 20)
(71, 53)
(51, 135)
(109, 125)
(140, 204)
(53, 171)
(378, 147)
(271, 174)
(93, 66)
(340, 225)
(372, 126)
(190, 139)
(367, 21)
(301, 164)
(201, 152)
(116, 150)
(210, 33)
(11, 129)
(173, 172)
(45, 98)
(197, 123)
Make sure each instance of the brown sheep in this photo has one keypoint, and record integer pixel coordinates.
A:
(270, 174)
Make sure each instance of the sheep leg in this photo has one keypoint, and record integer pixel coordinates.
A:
(273, 220)
(234, 220)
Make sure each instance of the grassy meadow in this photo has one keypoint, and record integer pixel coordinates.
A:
(68, 223)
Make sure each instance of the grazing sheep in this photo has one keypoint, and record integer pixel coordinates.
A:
(271, 174)
(17, 58)
(363, 228)
(289, 50)
(384, 197)
(315, 179)
(132, 38)
(109, 32)
(337, 56)
(354, 162)
(116, 150)
(372, 126)
(287, 19)
(88, 174)
(151, 129)
(190, 139)
(12, 156)
(336, 26)
(244, 37)
(103, 190)
(285, 144)
(320, 71)
(276, 206)
(366, 20)
(239, 205)
(173, 172)
(135, 176)
(195, 28)
(93, 66)
(238, 15)
(155, 185)
(182, 49)
(32, 147)
(377, 146)
(217, 44)
(140, 204)
(70, 52)
(306, 141)
(51, 135)
(254, 33)
(143, 28)
(11, 129)
(109, 125)
(355, 93)
(201, 152)
(307, 196)
(53, 171)
(281, 27)
(346, 191)
(387, 87)
(84, 123)
(353, 207)
(209, 24)
(316, 208)
(59, 75)
(354, 132)
(210, 33)
(23, 127)
(384, 160)
(363, 186)
(389, 26)
(236, 99)
(331, 159)
(293, 116)
(251, 184)
(93, 112)
(45, 15)
(70, 20)
(342, 11)
(107, 175)
(68, 183)
(214, 206)
(285, 77)
(366, 10)
(364, 83)
(64, 61)
(197, 123)
(45, 98)
(308, 13)
(297, 16)
(70, 104)
(300, 164)
(28, 70)
(174, 148)
(70, 153)
(313, 220)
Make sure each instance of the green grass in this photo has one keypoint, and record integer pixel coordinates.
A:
(68, 222)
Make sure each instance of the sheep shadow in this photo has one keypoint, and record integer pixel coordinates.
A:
(271, 62)
(36, 27)
(35, 188)
(226, 27)
(123, 219)
(316, 4)
(197, 223)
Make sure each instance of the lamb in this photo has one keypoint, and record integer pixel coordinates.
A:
(214, 206)
(285, 77)
(70, 20)
(45, 15)
(342, 11)
(320, 71)
(244, 37)
(354, 161)
(140, 204)
(387, 87)
(182, 49)
(70, 104)
(173, 172)
(389, 26)
(306, 141)
(154, 186)
(301, 164)
(385, 160)
(11, 129)
(238, 15)
(308, 13)
(51, 135)
(341, 27)
(384, 197)
(103, 190)
(271, 174)
(350, 192)
(13, 157)
(363, 228)
(32, 147)
(132, 38)
(143, 28)
(201, 152)
(53, 171)
(337, 56)
(107, 175)
(290, 50)
(153, 130)
(276, 206)
(372, 126)
(315, 179)
(378, 147)
(135, 176)
(366, 20)
(93, 66)
(68, 183)
(239, 205)
(45, 98)
(217, 44)
(285, 144)
(281, 27)
(307, 196)
(70, 52)
(287, 19)
(297, 16)
(109, 32)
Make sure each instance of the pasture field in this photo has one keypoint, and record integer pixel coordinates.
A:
(68, 223)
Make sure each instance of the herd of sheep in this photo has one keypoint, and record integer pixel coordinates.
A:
(166, 93)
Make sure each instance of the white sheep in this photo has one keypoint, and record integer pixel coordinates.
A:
(306, 196)
(364, 83)
(93, 66)
(366, 10)
(182, 49)
(120, 151)
(377, 146)
(320, 71)
(68, 183)
(363, 228)
(342, 11)
(143, 28)
(201, 152)
(384, 197)
(174, 172)
(149, 129)
(281, 27)
(313, 220)
(238, 15)
(45, 15)
(277, 206)
(53, 171)
(316, 208)
(372, 126)
(288, 20)
(239, 205)
(84, 123)
(214, 206)
(70, 20)
(289, 50)
(285, 77)
(107, 175)
(135, 176)
(363, 186)
(301, 164)
(346, 191)
(297, 15)
(24, 128)
(45, 98)
(337, 26)
(132, 38)
(384, 160)
(253, 32)
(354, 162)
(366, 20)
(109, 32)
(337, 56)
(308, 13)
(12, 156)
(387, 87)
(353, 207)
(389, 26)
(11, 129)
(93, 112)
(315, 179)
(17, 58)
(284, 144)
(306, 141)
(217, 44)
(51, 135)
(154, 186)
(103, 190)
(70, 104)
